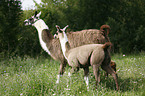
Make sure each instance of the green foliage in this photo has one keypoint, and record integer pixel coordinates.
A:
(125, 27)
(126, 19)
(10, 11)
(37, 76)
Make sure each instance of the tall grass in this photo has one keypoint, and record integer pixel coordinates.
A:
(37, 76)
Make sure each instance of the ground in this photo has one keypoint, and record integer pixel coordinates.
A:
(37, 76)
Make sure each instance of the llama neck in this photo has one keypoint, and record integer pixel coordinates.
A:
(40, 26)
(64, 43)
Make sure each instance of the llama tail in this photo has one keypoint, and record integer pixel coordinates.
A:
(106, 45)
(105, 34)
(105, 27)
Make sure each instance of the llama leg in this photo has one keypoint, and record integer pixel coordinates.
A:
(86, 77)
(61, 70)
(71, 72)
(96, 60)
(113, 66)
(58, 78)
(109, 70)
(96, 73)
(60, 73)
(74, 64)
(98, 76)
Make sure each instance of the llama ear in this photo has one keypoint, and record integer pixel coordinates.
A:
(57, 28)
(64, 28)
(38, 14)
(35, 14)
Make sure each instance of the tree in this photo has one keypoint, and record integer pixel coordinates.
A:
(10, 11)
(126, 19)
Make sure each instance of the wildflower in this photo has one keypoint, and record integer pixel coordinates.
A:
(123, 55)
(134, 82)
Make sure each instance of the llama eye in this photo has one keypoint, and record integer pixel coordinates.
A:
(36, 17)
(30, 19)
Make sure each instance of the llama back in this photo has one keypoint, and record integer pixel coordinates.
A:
(91, 36)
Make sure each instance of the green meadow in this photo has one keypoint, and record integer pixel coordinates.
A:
(37, 77)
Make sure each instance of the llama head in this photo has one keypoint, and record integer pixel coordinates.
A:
(63, 34)
(60, 35)
(63, 30)
(33, 19)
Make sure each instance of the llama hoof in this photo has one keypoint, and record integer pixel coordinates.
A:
(69, 74)
(57, 82)
(88, 88)
(58, 78)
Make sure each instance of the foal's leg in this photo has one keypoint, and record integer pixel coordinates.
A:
(73, 70)
(86, 76)
(96, 73)
(96, 60)
(109, 70)
(73, 62)
(98, 76)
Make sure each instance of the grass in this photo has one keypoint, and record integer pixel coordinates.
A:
(37, 76)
